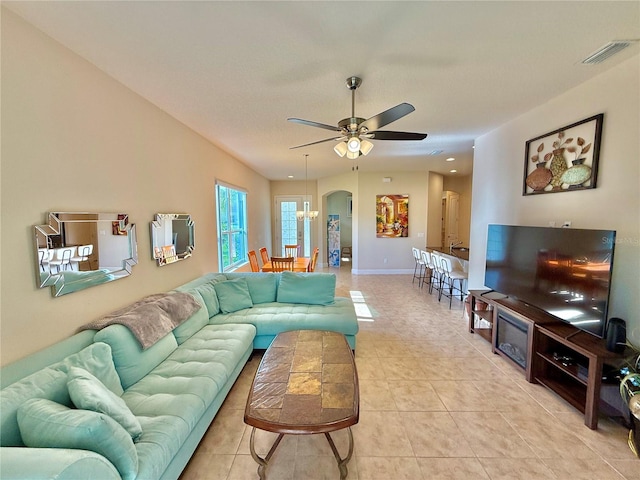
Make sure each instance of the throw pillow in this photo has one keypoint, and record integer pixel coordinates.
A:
(46, 424)
(51, 383)
(308, 288)
(89, 393)
(233, 295)
(262, 287)
(208, 293)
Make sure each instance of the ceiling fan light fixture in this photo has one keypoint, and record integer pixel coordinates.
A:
(340, 148)
(353, 144)
(353, 155)
(365, 147)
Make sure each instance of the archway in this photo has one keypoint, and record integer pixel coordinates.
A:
(339, 206)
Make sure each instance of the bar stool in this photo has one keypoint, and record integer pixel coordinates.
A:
(449, 278)
(419, 267)
(428, 267)
(436, 276)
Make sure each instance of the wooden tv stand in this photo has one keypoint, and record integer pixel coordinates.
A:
(578, 382)
(577, 379)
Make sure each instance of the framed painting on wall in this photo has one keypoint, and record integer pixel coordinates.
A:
(563, 160)
(120, 227)
(392, 216)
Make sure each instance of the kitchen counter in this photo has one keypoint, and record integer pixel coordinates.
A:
(459, 257)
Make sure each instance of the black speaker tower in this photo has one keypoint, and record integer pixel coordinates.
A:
(616, 335)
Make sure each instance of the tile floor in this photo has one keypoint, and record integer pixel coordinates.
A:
(435, 403)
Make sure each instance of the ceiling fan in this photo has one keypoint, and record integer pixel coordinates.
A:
(355, 132)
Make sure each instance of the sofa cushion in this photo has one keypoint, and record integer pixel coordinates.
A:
(47, 424)
(89, 393)
(51, 383)
(195, 322)
(273, 318)
(307, 288)
(170, 400)
(233, 295)
(208, 293)
(131, 361)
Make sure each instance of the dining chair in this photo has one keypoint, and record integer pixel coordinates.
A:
(314, 259)
(43, 255)
(291, 250)
(253, 260)
(82, 255)
(280, 264)
(264, 254)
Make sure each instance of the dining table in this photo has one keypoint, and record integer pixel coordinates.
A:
(300, 264)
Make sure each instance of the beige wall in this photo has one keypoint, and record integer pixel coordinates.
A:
(373, 251)
(369, 252)
(614, 204)
(74, 139)
(434, 215)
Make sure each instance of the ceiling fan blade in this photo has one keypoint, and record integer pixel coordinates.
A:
(388, 116)
(319, 141)
(314, 124)
(384, 135)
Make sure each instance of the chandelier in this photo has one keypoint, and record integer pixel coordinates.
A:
(306, 213)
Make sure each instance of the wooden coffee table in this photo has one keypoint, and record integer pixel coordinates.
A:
(306, 383)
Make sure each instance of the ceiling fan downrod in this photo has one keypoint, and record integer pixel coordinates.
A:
(352, 84)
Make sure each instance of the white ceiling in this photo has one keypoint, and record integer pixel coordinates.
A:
(235, 71)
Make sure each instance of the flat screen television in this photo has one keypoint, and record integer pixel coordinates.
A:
(565, 272)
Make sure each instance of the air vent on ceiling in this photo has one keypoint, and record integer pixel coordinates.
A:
(436, 152)
(607, 51)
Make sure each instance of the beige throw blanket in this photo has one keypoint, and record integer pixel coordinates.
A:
(151, 318)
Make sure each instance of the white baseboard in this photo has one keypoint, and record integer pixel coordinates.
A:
(382, 272)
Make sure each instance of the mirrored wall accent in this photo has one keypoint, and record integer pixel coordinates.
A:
(78, 250)
(172, 237)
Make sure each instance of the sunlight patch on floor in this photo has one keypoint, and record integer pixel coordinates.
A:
(362, 309)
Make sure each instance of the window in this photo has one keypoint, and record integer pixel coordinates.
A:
(232, 226)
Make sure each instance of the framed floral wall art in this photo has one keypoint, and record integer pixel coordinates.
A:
(563, 160)
(392, 216)
(333, 240)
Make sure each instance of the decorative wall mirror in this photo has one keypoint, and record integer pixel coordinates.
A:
(172, 237)
(78, 250)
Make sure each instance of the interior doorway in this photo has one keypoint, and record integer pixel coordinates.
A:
(340, 203)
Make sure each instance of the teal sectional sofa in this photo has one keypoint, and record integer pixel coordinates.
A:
(170, 391)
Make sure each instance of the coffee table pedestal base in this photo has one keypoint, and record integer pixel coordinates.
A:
(263, 462)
